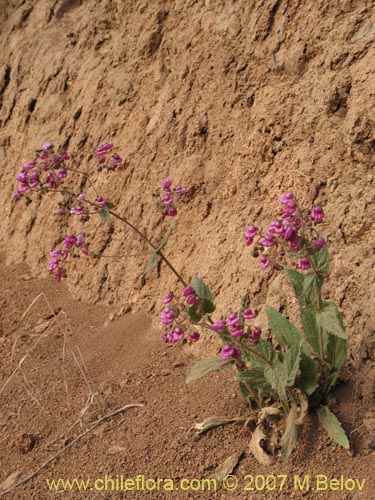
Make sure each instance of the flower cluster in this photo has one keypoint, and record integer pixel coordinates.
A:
(48, 169)
(106, 160)
(293, 232)
(70, 244)
(175, 314)
(169, 208)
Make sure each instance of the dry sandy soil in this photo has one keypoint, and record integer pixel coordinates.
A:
(239, 101)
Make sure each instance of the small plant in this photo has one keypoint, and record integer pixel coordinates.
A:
(282, 372)
(288, 369)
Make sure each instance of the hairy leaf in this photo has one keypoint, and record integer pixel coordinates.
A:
(204, 367)
(201, 289)
(312, 286)
(283, 330)
(333, 427)
(310, 327)
(330, 319)
(292, 360)
(266, 350)
(336, 351)
(289, 439)
(104, 212)
(321, 260)
(255, 378)
(308, 379)
(277, 376)
(296, 279)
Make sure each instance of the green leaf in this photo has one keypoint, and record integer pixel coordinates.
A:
(336, 351)
(204, 367)
(296, 279)
(289, 439)
(194, 316)
(312, 287)
(310, 327)
(165, 238)
(104, 212)
(283, 330)
(266, 350)
(330, 319)
(292, 360)
(333, 427)
(277, 376)
(201, 289)
(64, 194)
(255, 378)
(308, 380)
(321, 260)
(207, 306)
(155, 257)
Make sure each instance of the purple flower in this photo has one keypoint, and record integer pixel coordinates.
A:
(81, 197)
(101, 201)
(248, 314)
(77, 210)
(117, 158)
(64, 156)
(194, 336)
(168, 298)
(180, 190)
(191, 299)
(320, 243)
(277, 227)
(168, 200)
(295, 242)
(80, 239)
(47, 145)
(228, 352)
(236, 332)
(304, 264)
(62, 173)
(69, 241)
(167, 183)
(250, 235)
(60, 211)
(167, 317)
(172, 212)
(188, 291)
(233, 320)
(59, 274)
(264, 261)
(289, 231)
(286, 197)
(255, 335)
(55, 253)
(268, 241)
(317, 214)
(219, 325)
(53, 264)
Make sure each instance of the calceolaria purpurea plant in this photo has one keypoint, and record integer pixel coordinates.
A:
(287, 370)
(283, 371)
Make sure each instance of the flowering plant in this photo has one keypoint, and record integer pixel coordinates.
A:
(282, 372)
(288, 369)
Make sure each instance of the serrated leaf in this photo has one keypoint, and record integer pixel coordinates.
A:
(227, 467)
(308, 379)
(277, 376)
(296, 279)
(310, 327)
(332, 426)
(289, 439)
(283, 330)
(255, 447)
(194, 316)
(321, 260)
(204, 367)
(255, 378)
(266, 350)
(330, 319)
(312, 286)
(336, 351)
(292, 360)
(104, 213)
(201, 289)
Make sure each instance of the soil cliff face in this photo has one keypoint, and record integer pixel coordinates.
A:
(239, 101)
